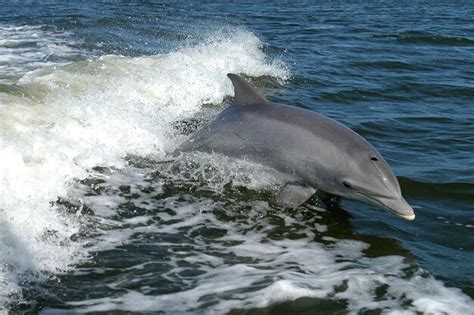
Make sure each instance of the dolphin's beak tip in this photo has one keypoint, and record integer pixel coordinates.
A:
(399, 207)
(409, 217)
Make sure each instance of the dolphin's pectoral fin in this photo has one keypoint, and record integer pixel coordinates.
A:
(293, 195)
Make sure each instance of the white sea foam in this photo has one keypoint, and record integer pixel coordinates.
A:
(58, 123)
(270, 271)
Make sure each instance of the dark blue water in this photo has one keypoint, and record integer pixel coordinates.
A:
(93, 96)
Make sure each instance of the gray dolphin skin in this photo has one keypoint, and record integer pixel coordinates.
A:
(311, 151)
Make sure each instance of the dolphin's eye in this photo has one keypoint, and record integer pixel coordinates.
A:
(347, 185)
(374, 158)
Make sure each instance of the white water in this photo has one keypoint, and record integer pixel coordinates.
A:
(278, 270)
(61, 121)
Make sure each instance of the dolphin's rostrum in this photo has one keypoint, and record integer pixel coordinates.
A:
(313, 151)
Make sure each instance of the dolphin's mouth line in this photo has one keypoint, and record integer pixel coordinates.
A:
(384, 206)
(368, 194)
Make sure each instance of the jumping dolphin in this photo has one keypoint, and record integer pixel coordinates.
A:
(313, 151)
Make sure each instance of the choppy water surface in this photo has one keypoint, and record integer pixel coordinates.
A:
(94, 96)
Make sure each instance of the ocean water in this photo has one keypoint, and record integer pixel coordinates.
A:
(94, 96)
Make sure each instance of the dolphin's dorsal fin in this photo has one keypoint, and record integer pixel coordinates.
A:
(245, 94)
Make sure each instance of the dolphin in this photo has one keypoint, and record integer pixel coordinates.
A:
(313, 152)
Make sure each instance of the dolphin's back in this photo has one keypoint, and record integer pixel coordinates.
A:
(273, 134)
(256, 129)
